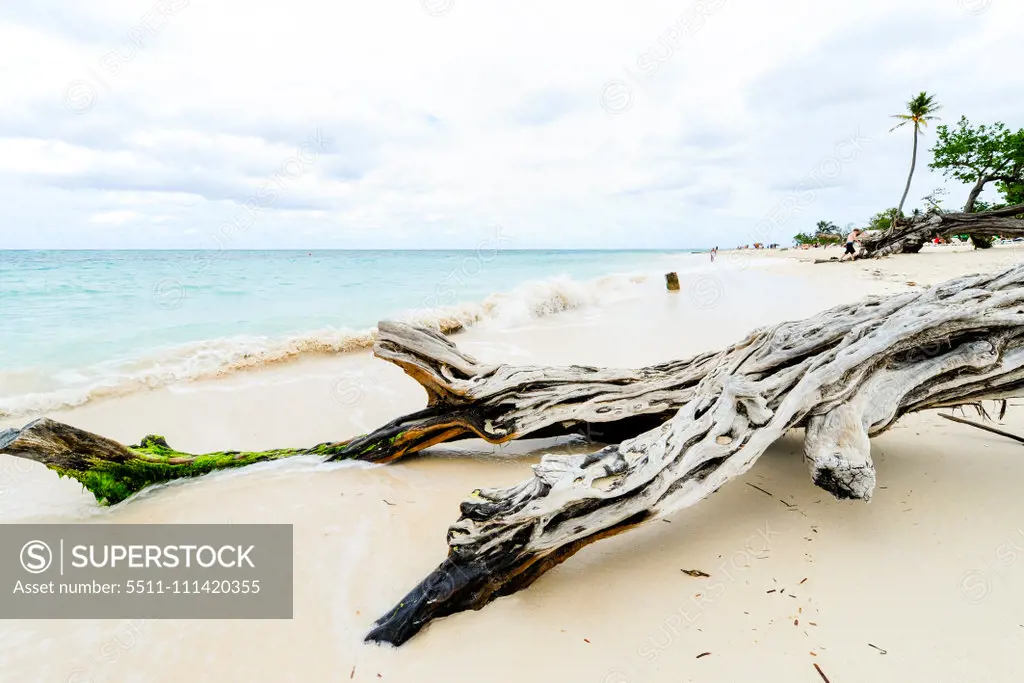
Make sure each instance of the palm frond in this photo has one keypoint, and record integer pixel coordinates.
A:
(902, 123)
(922, 105)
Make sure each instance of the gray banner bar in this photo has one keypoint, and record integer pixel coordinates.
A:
(146, 571)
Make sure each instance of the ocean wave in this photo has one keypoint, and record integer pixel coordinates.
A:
(222, 357)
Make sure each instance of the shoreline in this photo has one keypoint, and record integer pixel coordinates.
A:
(930, 546)
(33, 390)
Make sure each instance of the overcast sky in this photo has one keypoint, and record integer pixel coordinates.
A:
(426, 123)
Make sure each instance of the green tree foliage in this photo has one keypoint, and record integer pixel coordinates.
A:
(1013, 193)
(826, 230)
(980, 155)
(825, 233)
(883, 219)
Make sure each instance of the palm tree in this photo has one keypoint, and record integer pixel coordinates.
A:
(920, 110)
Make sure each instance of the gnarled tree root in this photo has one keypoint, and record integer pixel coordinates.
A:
(846, 374)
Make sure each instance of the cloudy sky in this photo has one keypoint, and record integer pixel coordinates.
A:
(426, 123)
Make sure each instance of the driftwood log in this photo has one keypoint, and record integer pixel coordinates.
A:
(846, 375)
(499, 403)
(465, 399)
(909, 236)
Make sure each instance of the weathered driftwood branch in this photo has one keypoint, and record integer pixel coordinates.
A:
(846, 374)
(112, 471)
(465, 399)
(911, 235)
(985, 427)
(499, 403)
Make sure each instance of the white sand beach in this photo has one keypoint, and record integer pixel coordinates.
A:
(924, 583)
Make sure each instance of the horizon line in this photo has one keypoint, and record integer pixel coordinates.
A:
(310, 249)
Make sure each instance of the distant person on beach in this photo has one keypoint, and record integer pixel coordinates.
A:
(714, 253)
(850, 239)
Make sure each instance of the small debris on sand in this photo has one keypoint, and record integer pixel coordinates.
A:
(696, 573)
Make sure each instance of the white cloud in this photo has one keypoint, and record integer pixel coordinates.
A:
(442, 126)
(113, 217)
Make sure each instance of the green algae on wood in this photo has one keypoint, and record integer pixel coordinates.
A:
(112, 472)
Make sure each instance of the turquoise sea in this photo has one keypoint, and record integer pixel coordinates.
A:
(77, 324)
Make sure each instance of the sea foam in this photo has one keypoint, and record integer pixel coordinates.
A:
(215, 358)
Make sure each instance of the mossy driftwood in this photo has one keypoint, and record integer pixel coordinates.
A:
(845, 375)
(111, 471)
